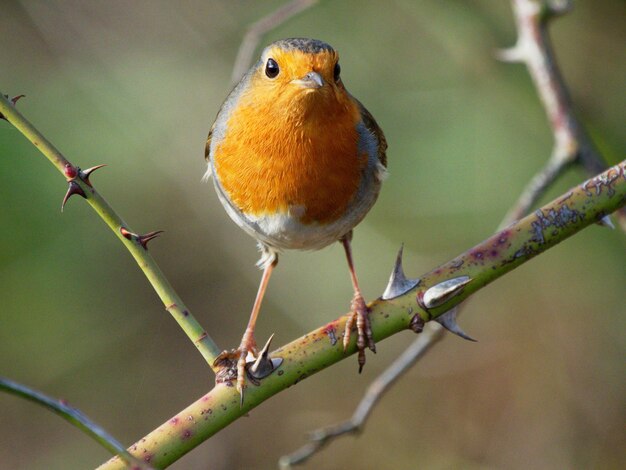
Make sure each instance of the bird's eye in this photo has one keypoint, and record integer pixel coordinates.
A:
(271, 68)
(337, 71)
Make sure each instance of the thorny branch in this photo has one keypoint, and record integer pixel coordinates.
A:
(462, 276)
(79, 183)
(571, 145)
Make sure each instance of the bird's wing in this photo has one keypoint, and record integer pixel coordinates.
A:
(373, 127)
(207, 148)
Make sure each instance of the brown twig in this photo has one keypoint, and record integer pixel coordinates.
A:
(432, 334)
(571, 145)
(257, 29)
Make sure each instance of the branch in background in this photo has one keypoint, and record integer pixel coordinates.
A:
(76, 418)
(259, 28)
(583, 205)
(432, 334)
(571, 145)
(80, 184)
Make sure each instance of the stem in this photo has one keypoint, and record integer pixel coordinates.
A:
(581, 206)
(146, 262)
(572, 145)
(75, 417)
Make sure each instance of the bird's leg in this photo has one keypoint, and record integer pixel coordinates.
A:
(360, 312)
(248, 343)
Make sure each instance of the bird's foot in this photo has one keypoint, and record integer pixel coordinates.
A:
(237, 366)
(365, 338)
(232, 364)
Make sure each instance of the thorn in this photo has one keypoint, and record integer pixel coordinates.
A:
(264, 365)
(606, 222)
(444, 291)
(448, 321)
(555, 8)
(14, 100)
(261, 359)
(510, 55)
(141, 239)
(330, 331)
(74, 188)
(85, 174)
(144, 239)
(398, 283)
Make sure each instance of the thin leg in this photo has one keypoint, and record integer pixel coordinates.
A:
(248, 343)
(360, 312)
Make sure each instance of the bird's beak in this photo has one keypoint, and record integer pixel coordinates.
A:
(310, 80)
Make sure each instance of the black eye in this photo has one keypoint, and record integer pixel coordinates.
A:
(271, 68)
(337, 71)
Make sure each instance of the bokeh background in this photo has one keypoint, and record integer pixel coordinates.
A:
(136, 85)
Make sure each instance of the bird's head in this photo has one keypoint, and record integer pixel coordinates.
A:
(299, 72)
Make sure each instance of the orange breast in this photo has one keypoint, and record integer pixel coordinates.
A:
(301, 154)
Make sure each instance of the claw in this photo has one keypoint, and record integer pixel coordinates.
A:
(361, 359)
(241, 374)
(448, 321)
(398, 282)
(264, 365)
(73, 188)
(226, 364)
(365, 335)
(348, 330)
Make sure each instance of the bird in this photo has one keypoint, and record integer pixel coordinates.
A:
(297, 162)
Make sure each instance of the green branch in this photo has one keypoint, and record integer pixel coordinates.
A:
(75, 417)
(583, 205)
(136, 244)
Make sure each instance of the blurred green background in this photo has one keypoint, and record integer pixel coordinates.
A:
(136, 85)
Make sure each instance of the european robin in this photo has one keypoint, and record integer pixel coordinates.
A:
(297, 163)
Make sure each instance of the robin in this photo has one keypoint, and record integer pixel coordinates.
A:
(297, 163)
